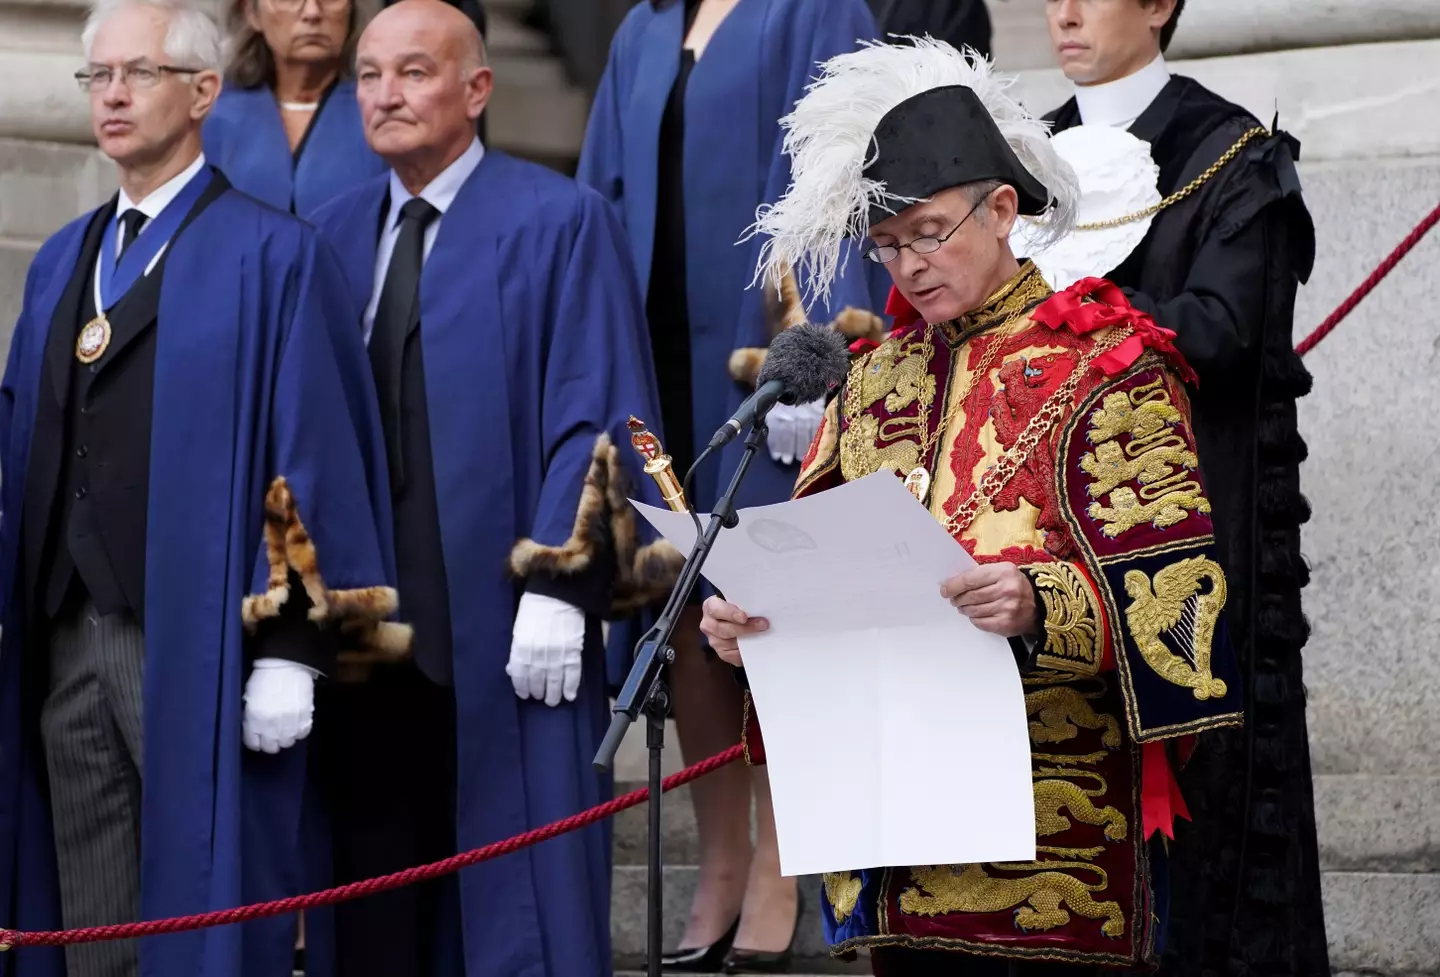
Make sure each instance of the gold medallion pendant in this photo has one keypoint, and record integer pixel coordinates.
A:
(94, 339)
(918, 482)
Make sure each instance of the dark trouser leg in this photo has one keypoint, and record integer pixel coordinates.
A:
(91, 726)
(388, 762)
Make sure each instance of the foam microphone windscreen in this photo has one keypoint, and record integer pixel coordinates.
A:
(809, 360)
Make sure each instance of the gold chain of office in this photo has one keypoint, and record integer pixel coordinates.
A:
(1183, 192)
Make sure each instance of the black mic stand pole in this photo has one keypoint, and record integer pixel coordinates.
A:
(645, 690)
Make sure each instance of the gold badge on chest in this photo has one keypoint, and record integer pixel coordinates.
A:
(918, 482)
(94, 340)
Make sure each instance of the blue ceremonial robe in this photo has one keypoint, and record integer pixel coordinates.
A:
(259, 373)
(534, 345)
(245, 138)
(751, 73)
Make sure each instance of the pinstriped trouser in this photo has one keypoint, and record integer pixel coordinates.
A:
(91, 727)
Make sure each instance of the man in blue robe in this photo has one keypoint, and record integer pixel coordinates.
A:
(507, 339)
(191, 462)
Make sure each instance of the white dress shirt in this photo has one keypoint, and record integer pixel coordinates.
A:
(440, 193)
(1119, 103)
(152, 206)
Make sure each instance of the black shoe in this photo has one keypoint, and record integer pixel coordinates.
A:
(701, 959)
(759, 962)
(740, 961)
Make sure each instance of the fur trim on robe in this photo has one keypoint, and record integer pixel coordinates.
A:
(784, 310)
(605, 524)
(367, 637)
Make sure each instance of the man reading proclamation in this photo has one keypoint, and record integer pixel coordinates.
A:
(1050, 434)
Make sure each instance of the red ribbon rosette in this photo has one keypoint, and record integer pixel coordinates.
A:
(1107, 306)
(899, 308)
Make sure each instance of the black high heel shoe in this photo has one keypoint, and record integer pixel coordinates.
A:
(701, 959)
(741, 961)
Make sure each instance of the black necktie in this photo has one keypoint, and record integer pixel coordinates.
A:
(395, 316)
(130, 224)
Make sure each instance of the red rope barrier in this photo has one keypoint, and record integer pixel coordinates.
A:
(280, 907)
(1368, 285)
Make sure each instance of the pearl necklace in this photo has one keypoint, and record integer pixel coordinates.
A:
(299, 106)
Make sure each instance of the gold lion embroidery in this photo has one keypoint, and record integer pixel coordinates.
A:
(899, 374)
(860, 455)
(901, 377)
(1110, 468)
(1071, 619)
(1172, 605)
(842, 891)
(1154, 456)
(1053, 796)
(1125, 511)
(1058, 710)
(1045, 895)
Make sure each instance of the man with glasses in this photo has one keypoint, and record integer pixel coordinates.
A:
(1049, 434)
(191, 461)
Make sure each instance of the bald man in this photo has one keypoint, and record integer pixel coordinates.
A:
(508, 344)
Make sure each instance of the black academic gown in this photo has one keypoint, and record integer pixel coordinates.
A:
(1221, 268)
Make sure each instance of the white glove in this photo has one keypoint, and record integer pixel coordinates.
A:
(792, 429)
(545, 649)
(279, 705)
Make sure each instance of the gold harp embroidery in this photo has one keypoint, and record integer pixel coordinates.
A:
(1174, 605)
(1071, 619)
(842, 891)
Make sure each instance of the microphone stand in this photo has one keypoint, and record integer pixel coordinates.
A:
(645, 689)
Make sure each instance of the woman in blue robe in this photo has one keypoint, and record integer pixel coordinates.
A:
(684, 140)
(286, 128)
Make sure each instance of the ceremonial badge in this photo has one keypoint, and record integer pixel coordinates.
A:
(94, 340)
(918, 482)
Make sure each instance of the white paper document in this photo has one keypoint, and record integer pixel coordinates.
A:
(895, 730)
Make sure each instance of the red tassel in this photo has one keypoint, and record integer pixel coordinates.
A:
(1160, 799)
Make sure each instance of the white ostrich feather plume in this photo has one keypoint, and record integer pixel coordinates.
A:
(829, 139)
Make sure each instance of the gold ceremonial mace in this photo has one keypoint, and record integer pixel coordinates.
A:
(658, 465)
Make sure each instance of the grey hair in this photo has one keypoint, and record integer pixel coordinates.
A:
(192, 39)
(978, 191)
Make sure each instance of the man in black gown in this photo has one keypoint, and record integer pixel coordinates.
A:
(1221, 267)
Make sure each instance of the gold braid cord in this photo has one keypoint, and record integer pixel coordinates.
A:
(1183, 192)
(1045, 418)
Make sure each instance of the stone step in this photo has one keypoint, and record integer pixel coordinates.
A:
(534, 111)
(504, 33)
(1378, 824)
(627, 912)
(1383, 923)
(678, 841)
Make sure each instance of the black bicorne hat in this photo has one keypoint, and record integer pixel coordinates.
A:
(945, 138)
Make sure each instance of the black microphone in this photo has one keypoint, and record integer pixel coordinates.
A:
(803, 363)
